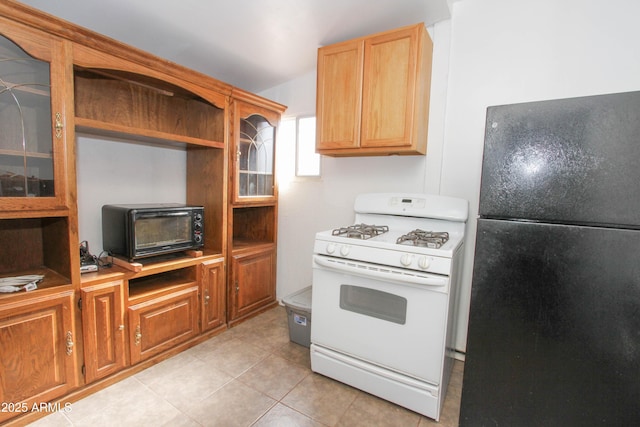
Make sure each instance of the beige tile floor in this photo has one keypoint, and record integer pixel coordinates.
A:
(250, 375)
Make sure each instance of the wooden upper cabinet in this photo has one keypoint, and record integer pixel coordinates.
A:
(253, 153)
(373, 94)
(34, 162)
(339, 100)
(388, 91)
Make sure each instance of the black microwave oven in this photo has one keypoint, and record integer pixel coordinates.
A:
(143, 230)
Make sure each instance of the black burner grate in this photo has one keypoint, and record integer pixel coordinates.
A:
(429, 239)
(360, 231)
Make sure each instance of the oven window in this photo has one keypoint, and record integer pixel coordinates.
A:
(374, 303)
(158, 231)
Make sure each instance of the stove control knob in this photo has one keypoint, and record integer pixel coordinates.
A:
(344, 250)
(331, 248)
(406, 260)
(424, 262)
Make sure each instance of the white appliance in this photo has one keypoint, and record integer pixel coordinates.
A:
(383, 298)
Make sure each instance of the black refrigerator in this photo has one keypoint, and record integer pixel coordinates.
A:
(554, 324)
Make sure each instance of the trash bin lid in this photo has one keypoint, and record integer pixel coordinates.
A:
(300, 299)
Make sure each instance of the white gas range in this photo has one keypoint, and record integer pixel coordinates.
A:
(383, 298)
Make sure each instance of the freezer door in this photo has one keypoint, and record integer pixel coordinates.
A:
(554, 327)
(568, 161)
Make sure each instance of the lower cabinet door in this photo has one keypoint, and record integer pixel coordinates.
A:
(212, 279)
(253, 281)
(103, 329)
(161, 323)
(38, 360)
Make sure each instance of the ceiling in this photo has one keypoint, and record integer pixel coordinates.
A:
(251, 44)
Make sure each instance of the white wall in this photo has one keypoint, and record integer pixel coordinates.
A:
(113, 172)
(509, 51)
(491, 52)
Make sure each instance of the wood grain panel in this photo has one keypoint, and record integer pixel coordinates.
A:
(389, 89)
(339, 100)
(212, 282)
(40, 366)
(207, 186)
(253, 280)
(103, 329)
(140, 102)
(254, 224)
(161, 323)
(20, 244)
(393, 90)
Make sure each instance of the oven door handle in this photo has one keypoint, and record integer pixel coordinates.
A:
(379, 272)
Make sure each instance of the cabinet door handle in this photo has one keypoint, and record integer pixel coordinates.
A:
(206, 299)
(59, 125)
(121, 328)
(137, 336)
(69, 343)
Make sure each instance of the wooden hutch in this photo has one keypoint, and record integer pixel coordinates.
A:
(76, 334)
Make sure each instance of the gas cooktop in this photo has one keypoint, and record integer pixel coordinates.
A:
(360, 231)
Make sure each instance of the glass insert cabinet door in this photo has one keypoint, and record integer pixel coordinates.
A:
(26, 147)
(255, 152)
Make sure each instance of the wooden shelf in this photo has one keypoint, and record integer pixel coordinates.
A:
(154, 286)
(148, 269)
(38, 246)
(163, 264)
(91, 126)
(250, 172)
(102, 275)
(30, 154)
(51, 280)
(246, 244)
(133, 104)
(61, 211)
(254, 224)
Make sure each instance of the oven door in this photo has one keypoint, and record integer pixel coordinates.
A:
(393, 318)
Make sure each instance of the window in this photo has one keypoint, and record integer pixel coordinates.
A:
(296, 150)
(307, 161)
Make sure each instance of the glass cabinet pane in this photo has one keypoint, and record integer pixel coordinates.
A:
(255, 157)
(26, 149)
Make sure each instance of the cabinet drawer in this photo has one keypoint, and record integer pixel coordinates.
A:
(159, 324)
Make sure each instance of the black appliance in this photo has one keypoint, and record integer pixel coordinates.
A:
(138, 231)
(554, 326)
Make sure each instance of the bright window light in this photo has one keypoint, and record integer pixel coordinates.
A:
(307, 161)
(286, 146)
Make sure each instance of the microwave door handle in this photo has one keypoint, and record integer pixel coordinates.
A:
(183, 213)
(379, 273)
